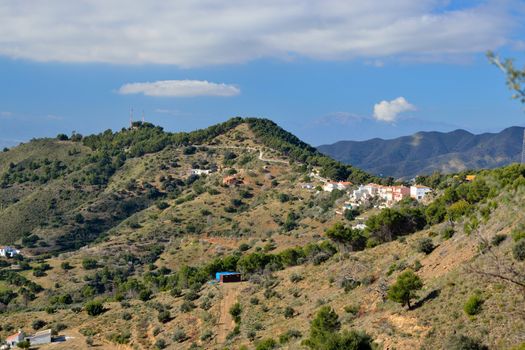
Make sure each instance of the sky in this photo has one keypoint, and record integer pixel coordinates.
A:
(325, 70)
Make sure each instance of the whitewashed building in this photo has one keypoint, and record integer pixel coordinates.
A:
(8, 252)
(200, 171)
(419, 192)
(16, 338)
(42, 337)
(341, 185)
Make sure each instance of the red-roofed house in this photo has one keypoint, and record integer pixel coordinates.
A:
(12, 340)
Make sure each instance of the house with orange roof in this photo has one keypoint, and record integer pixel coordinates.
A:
(16, 338)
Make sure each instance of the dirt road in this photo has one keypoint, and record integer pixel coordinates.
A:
(230, 294)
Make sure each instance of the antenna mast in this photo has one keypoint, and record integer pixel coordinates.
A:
(523, 149)
(142, 116)
(130, 117)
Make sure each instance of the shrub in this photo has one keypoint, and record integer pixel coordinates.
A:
(236, 311)
(324, 334)
(462, 342)
(179, 335)
(126, 316)
(244, 247)
(498, 239)
(295, 277)
(292, 333)
(289, 312)
(405, 288)
(24, 344)
(164, 316)
(349, 284)
(145, 295)
(57, 328)
(187, 306)
(447, 233)
(37, 324)
(425, 245)
(518, 233)
(89, 263)
(160, 344)
(519, 250)
(94, 307)
(120, 338)
(266, 344)
(66, 266)
(162, 205)
(207, 335)
(473, 305)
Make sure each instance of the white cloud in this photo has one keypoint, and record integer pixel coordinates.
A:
(388, 111)
(179, 88)
(5, 114)
(196, 33)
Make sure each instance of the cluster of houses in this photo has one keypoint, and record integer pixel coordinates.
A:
(39, 338)
(388, 195)
(8, 252)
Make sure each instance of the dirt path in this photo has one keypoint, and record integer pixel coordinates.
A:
(261, 154)
(230, 294)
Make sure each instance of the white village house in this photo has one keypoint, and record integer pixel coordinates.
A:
(341, 185)
(419, 192)
(39, 338)
(200, 171)
(16, 338)
(8, 252)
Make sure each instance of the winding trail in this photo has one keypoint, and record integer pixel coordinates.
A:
(261, 153)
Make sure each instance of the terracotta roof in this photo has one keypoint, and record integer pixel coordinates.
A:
(13, 336)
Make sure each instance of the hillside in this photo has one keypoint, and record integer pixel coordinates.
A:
(428, 152)
(121, 242)
(71, 192)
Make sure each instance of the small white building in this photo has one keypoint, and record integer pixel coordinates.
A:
(8, 252)
(42, 337)
(16, 338)
(359, 226)
(341, 185)
(419, 192)
(200, 171)
(308, 186)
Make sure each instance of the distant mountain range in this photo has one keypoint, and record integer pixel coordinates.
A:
(427, 152)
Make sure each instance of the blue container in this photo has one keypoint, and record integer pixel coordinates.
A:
(219, 274)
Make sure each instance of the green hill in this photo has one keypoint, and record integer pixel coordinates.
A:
(120, 242)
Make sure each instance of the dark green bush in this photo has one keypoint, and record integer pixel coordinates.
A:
(473, 305)
(94, 307)
(425, 245)
(462, 342)
(519, 250)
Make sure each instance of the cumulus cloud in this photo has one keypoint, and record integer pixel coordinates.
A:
(179, 88)
(196, 33)
(388, 111)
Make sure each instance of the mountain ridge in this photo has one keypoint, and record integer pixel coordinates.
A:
(425, 152)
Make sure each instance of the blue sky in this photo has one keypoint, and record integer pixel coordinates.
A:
(340, 70)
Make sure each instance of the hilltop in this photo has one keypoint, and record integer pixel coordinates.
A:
(69, 192)
(122, 233)
(428, 152)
